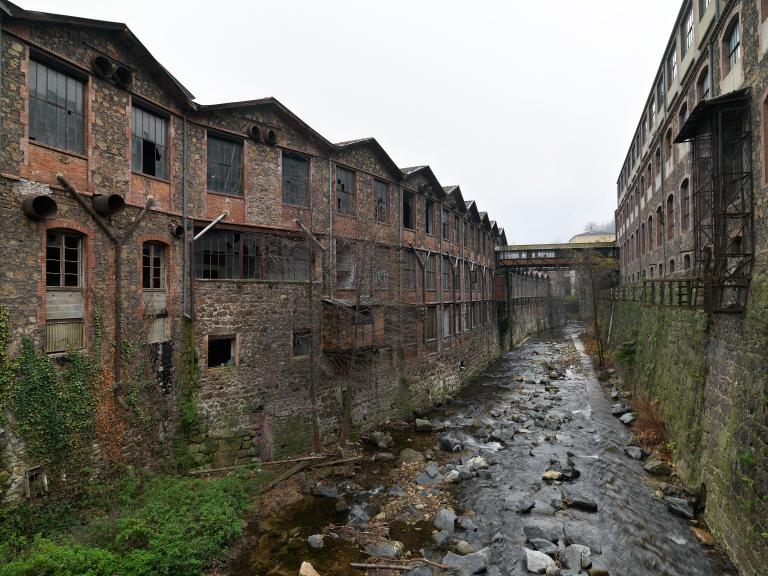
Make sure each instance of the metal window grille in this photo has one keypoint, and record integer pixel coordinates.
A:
(295, 180)
(429, 267)
(64, 335)
(56, 109)
(149, 151)
(429, 217)
(225, 166)
(301, 343)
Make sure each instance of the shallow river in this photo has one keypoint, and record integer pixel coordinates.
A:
(567, 420)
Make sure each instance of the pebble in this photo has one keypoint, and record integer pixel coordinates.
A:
(464, 548)
(634, 452)
(543, 545)
(537, 562)
(307, 570)
(315, 541)
(577, 557)
(627, 418)
(445, 519)
(657, 468)
(551, 475)
(475, 563)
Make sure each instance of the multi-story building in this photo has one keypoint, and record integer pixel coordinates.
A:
(280, 286)
(686, 187)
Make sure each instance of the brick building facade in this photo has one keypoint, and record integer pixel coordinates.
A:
(318, 287)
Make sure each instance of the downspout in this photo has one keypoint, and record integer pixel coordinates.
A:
(1, 74)
(185, 284)
(331, 248)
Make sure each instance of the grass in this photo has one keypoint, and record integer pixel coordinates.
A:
(649, 426)
(134, 525)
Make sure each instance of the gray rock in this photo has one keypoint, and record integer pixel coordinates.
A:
(449, 443)
(358, 515)
(466, 523)
(553, 571)
(468, 565)
(679, 506)
(524, 504)
(395, 491)
(579, 501)
(431, 475)
(545, 546)
(326, 492)
(615, 393)
(445, 519)
(619, 409)
(451, 477)
(386, 549)
(410, 455)
(634, 452)
(577, 557)
(463, 547)
(477, 463)
(384, 457)
(537, 562)
(423, 425)
(657, 468)
(422, 570)
(627, 418)
(442, 538)
(315, 541)
(551, 533)
(432, 470)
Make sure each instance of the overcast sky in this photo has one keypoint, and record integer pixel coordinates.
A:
(528, 105)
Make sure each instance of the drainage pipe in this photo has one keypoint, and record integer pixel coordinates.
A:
(185, 211)
(215, 221)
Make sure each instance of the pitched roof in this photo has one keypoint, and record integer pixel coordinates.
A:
(374, 145)
(454, 193)
(121, 29)
(435, 187)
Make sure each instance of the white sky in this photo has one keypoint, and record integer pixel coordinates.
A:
(528, 105)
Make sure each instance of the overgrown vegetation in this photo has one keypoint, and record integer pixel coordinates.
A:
(132, 525)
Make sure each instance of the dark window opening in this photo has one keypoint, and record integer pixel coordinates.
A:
(429, 217)
(225, 166)
(295, 180)
(56, 108)
(301, 343)
(408, 210)
(345, 191)
(430, 324)
(148, 144)
(63, 260)
(429, 267)
(221, 351)
(345, 265)
(446, 224)
(409, 270)
(362, 316)
(381, 195)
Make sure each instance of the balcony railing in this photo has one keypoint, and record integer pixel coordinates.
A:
(682, 292)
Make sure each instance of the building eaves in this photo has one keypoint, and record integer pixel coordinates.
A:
(15, 11)
(377, 148)
(699, 115)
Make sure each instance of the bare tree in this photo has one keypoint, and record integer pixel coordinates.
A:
(596, 273)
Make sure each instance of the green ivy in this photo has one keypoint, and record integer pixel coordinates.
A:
(53, 408)
(188, 381)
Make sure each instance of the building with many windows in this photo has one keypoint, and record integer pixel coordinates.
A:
(226, 259)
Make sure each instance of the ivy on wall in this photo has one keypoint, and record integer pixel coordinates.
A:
(53, 407)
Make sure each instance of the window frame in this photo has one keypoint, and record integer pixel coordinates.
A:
(80, 248)
(686, 32)
(429, 217)
(42, 104)
(153, 247)
(304, 334)
(237, 143)
(380, 208)
(341, 206)
(163, 129)
(289, 157)
(234, 350)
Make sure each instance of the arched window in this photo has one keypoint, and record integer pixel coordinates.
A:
(687, 262)
(650, 272)
(702, 85)
(670, 217)
(650, 232)
(685, 205)
(731, 48)
(661, 270)
(668, 145)
(671, 266)
(657, 163)
(659, 227)
(153, 266)
(642, 238)
(64, 290)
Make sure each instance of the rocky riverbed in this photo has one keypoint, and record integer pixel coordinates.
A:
(532, 469)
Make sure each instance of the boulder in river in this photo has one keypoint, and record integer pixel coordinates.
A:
(657, 468)
(551, 475)
(551, 533)
(627, 418)
(315, 541)
(634, 452)
(577, 557)
(475, 563)
(619, 409)
(445, 519)
(424, 425)
(679, 506)
(451, 477)
(537, 562)
(449, 443)
(579, 501)
(410, 455)
(522, 505)
(546, 546)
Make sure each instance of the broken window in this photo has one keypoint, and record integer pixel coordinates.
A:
(381, 195)
(686, 32)
(430, 323)
(295, 180)
(446, 223)
(672, 65)
(408, 209)
(445, 273)
(56, 109)
(429, 217)
(153, 266)
(225, 166)
(345, 191)
(301, 343)
(149, 151)
(685, 205)
(221, 351)
(217, 255)
(345, 265)
(409, 270)
(429, 268)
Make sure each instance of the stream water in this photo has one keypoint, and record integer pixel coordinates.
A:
(523, 424)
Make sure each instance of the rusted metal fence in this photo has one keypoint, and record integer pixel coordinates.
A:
(683, 292)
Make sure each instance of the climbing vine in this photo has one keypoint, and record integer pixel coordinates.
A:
(188, 381)
(53, 408)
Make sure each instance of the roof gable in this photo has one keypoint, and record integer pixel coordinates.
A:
(373, 145)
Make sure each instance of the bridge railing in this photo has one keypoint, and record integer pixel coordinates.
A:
(683, 292)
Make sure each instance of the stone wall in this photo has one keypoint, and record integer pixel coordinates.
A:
(709, 375)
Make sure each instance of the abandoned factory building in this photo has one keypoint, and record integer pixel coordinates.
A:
(275, 287)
